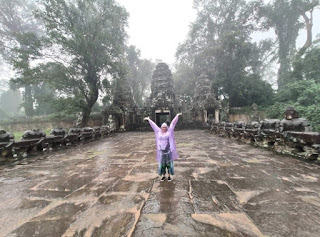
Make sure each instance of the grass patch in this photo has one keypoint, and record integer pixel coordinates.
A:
(18, 135)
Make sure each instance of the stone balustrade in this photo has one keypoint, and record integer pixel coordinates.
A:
(37, 140)
(292, 135)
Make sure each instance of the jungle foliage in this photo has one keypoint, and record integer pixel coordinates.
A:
(303, 94)
(220, 44)
(139, 74)
(69, 55)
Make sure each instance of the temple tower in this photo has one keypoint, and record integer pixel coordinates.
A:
(205, 104)
(162, 98)
(123, 108)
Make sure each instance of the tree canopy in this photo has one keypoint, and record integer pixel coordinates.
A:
(219, 44)
(71, 55)
(139, 74)
(287, 18)
(91, 34)
(20, 43)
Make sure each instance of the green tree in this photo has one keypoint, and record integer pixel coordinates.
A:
(10, 102)
(28, 50)
(3, 86)
(20, 43)
(45, 97)
(91, 33)
(286, 18)
(184, 79)
(310, 65)
(145, 75)
(304, 96)
(139, 73)
(219, 45)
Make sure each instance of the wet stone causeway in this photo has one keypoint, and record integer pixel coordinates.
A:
(111, 188)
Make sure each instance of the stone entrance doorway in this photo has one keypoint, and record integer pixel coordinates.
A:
(162, 117)
(213, 113)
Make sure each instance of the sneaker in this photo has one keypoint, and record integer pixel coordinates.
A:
(163, 179)
(169, 179)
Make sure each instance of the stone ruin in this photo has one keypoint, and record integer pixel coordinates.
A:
(292, 135)
(36, 140)
(162, 104)
(292, 122)
(206, 107)
(122, 114)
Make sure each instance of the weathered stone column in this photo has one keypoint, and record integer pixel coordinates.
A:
(205, 115)
(216, 115)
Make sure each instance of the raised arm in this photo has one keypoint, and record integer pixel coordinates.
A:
(174, 121)
(152, 124)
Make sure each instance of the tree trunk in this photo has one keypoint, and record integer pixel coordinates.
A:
(297, 62)
(308, 42)
(284, 73)
(85, 116)
(90, 102)
(28, 101)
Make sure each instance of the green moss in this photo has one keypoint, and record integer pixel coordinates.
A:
(17, 135)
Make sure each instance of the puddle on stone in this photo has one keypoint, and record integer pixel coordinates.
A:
(303, 189)
(309, 178)
(244, 196)
(153, 220)
(141, 177)
(255, 161)
(199, 171)
(311, 199)
(120, 155)
(234, 222)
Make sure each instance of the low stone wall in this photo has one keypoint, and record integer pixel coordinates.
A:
(23, 126)
(43, 123)
(239, 117)
(291, 137)
(180, 125)
(245, 114)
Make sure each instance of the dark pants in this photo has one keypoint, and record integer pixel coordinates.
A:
(166, 163)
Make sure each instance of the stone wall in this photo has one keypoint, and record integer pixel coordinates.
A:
(292, 135)
(23, 124)
(245, 114)
(239, 117)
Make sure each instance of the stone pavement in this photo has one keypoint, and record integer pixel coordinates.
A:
(110, 188)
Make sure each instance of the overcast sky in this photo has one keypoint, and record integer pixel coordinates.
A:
(156, 27)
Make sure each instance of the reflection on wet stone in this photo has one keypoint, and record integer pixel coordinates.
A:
(27, 204)
(43, 228)
(117, 225)
(111, 188)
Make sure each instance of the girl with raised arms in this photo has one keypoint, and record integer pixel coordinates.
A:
(166, 146)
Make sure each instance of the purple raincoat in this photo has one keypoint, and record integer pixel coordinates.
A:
(172, 142)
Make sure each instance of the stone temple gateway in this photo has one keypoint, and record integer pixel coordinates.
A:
(205, 105)
(162, 104)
